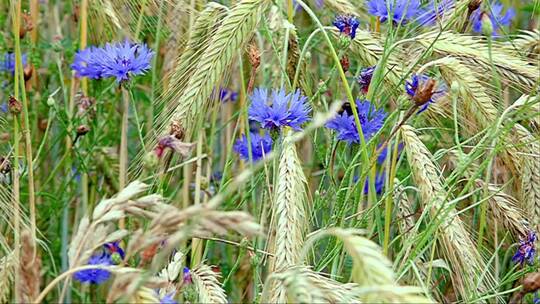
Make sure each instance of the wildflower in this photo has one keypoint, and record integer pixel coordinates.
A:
(526, 250)
(397, 11)
(173, 143)
(114, 248)
(422, 90)
(364, 79)
(226, 95)
(347, 25)
(371, 121)
(494, 15)
(260, 146)
(384, 153)
(187, 276)
(14, 106)
(95, 276)
(9, 62)
(118, 60)
(434, 11)
(4, 107)
(288, 110)
(379, 183)
(168, 299)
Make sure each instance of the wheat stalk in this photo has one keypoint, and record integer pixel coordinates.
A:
(231, 36)
(457, 245)
(206, 282)
(518, 72)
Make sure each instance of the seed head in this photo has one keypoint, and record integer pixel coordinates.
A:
(15, 106)
(82, 130)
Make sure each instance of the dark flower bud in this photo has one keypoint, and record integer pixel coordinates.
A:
(424, 93)
(254, 56)
(26, 25)
(177, 130)
(82, 130)
(15, 106)
(28, 71)
(474, 5)
(173, 143)
(42, 124)
(531, 282)
(345, 64)
(5, 165)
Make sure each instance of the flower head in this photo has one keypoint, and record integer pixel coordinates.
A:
(280, 110)
(118, 60)
(260, 146)
(397, 11)
(168, 299)
(526, 250)
(371, 121)
(95, 276)
(114, 248)
(434, 11)
(9, 62)
(347, 25)
(226, 95)
(4, 107)
(422, 90)
(495, 15)
(187, 276)
(379, 183)
(364, 79)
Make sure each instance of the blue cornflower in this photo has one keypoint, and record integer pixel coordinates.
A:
(95, 276)
(187, 279)
(114, 247)
(226, 95)
(347, 24)
(260, 146)
(371, 121)
(4, 107)
(364, 78)
(417, 83)
(384, 153)
(281, 110)
(495, 15)
(434, 11)
(526, 250)
(379, 183)
(9, 62)
(118, 60)
(168, 299)
(397, 11)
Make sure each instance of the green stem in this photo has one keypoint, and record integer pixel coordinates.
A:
(124, 143)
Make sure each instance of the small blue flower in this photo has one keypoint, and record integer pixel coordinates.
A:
(434, 12)
(281, 110)
(114, 247)
(9, 62)
(536, 299)
(384, 153)
(95, 276)
(4, 107)
(168, 299)
(379, 183)
(118, 60)
(496, 16)
(364, 78)
(417, 82)
(187, 279)
(526, 250)
(397, 11)
(226, 95)
(371, 121)
(260, 146)
(347, 25)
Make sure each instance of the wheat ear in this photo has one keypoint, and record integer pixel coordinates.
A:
(530, 180)
(207, 283)
(457, 245)
(518, 72)
(231, 36)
